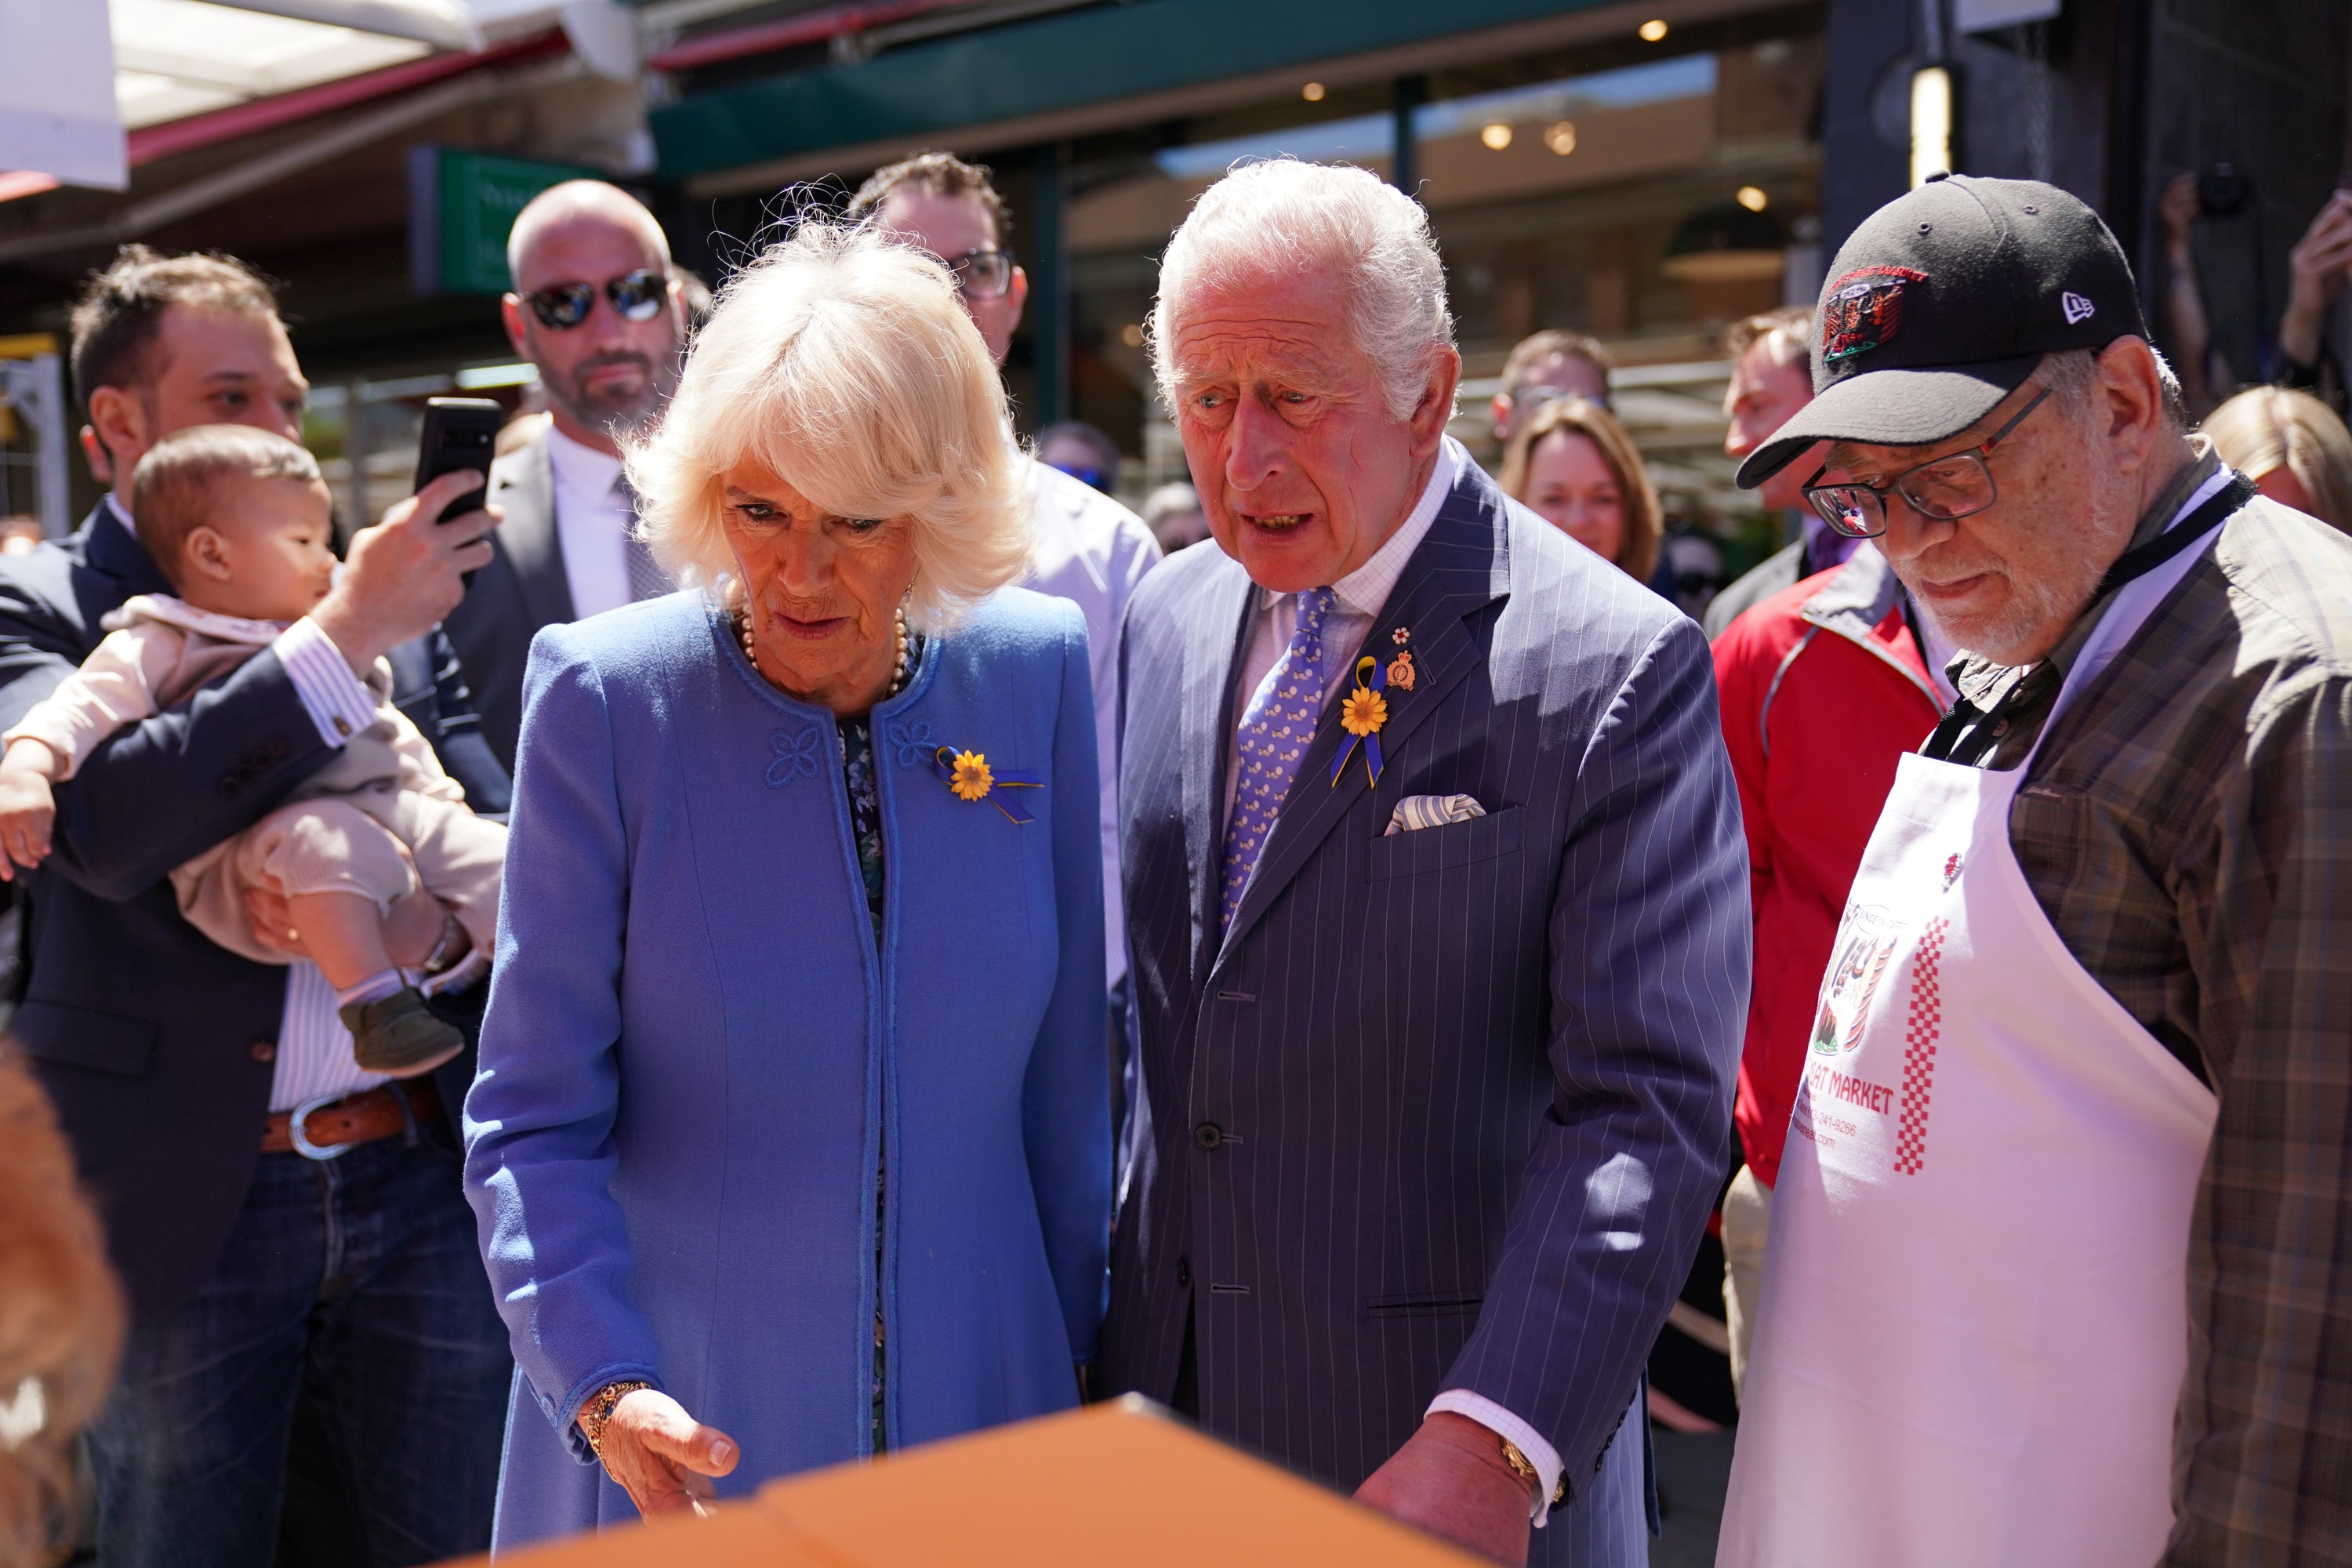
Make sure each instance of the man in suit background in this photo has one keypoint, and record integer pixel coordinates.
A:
(598, 309)
(188, 1078)
(1439, 1062)
(1089, 549)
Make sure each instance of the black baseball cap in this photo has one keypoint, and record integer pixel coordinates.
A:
(1943, 302)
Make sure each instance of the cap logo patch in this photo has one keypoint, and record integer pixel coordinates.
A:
(2078, 310)
(1863, 310)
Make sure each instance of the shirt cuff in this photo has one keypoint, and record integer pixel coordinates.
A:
(1503, 1424)
(338, 701)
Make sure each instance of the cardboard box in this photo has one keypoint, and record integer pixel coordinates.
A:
(1123, 1482)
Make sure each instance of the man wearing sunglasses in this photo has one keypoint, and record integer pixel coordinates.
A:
(2058, 1226)
(597, 308)
(1090, 550)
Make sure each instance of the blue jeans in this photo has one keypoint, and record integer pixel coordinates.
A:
(357, 1280)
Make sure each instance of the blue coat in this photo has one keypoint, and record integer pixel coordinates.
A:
(692, 1060)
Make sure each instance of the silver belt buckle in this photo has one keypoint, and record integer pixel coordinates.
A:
(302, 1139)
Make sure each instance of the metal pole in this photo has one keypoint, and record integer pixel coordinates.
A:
(49, 393)
(1049, 278)
(1406, 95)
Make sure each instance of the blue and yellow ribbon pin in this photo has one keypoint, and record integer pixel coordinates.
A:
(970, 776)
(1361, 715)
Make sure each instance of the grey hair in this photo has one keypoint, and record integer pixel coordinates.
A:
(2073, 375)
(1283, 217)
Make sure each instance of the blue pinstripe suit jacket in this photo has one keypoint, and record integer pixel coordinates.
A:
(1470, 1087)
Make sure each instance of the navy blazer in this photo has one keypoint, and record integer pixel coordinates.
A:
(156, 1046)
(1447, 1109)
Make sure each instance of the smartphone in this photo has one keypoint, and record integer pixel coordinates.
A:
(459, 433)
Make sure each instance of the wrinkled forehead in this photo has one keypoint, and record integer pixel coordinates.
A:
(1278, 328)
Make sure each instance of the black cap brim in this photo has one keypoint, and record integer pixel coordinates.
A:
(1891, 408)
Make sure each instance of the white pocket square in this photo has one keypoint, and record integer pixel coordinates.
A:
(1418, 811)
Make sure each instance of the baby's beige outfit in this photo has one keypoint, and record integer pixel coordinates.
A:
(379, 820)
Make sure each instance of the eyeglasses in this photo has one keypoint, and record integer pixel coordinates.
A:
(638, 296)
(983, 274)
(1954, 486)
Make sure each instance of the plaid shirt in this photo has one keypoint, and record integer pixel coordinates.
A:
(2189, 832)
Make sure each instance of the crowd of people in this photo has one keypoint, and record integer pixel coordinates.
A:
(800, 927)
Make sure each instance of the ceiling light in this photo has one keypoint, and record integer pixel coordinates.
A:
(1931, 123)
(1312, 92)
(1560, 136)
(1753, 199)
(1651, 31)
(1496, 136)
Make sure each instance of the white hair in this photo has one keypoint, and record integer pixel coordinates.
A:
(1283, 217)
(845, 365)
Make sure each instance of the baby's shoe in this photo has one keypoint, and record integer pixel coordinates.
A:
(399, 1035)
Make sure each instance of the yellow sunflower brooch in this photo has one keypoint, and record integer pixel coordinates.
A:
(1364, 711)
(973, 780)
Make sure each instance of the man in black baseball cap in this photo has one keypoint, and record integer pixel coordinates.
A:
(2070, 1157)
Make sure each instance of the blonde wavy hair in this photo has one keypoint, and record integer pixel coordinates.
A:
(845, 364)
(61, 1317)
(2273, 427)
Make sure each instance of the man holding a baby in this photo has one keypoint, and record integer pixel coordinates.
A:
(286, 1222)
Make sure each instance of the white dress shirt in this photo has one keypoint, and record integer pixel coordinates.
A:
(1357, 601)
(314, 1050)
(1093, 552)
(591, 524)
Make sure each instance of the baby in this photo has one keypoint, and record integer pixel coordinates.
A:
(237, 521)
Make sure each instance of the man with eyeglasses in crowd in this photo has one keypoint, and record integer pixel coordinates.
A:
(1089, 549)
(598, 309)
(2063, 1218)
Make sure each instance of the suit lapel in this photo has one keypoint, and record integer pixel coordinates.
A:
(108, 546)
(526, 489)
(1212, 649)
(1460, 567)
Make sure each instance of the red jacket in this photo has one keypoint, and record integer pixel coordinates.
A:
(1823, 687)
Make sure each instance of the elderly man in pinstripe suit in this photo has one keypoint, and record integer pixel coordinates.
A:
(1437, 903)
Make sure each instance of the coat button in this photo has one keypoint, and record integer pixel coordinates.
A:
(265, 1051)
(277, 745)
(1208, 1135)
(1184, 1274)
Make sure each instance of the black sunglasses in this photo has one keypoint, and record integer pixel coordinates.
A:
(638, 296)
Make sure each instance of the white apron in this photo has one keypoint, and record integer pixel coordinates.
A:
(1973, 1324)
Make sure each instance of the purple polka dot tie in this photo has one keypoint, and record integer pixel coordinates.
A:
(1274, 729)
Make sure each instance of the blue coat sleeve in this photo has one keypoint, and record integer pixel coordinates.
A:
(1649, 942)
(540, 1154)
(1066, 1100)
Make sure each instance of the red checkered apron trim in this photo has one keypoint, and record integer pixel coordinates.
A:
(1925, 1022)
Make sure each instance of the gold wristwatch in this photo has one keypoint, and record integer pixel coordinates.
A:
(1523, 1469)
(597, 1409)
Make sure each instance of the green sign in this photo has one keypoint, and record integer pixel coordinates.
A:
(460, 207)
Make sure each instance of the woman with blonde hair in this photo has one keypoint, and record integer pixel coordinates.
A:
(790, 1140)
(1573, 465)
(60, 1319)
(2291, 446)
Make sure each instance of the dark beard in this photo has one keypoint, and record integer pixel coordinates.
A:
(616, 416)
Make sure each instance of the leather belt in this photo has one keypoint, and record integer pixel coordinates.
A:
(323, 1128)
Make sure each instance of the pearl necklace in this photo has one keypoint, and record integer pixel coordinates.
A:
(898, 664)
